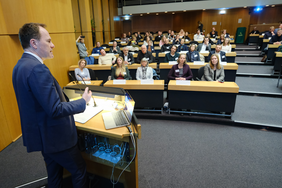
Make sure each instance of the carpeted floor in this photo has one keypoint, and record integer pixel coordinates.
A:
(263, 69)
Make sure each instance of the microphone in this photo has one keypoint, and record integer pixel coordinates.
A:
(81, 78)
(75, 82)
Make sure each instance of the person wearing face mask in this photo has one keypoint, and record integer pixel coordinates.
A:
(192, 55)
(172, 56)
(127, 56)
(205, 46)
(120, 71)
(82, 71)
(144, 72)
(180, 71)
(143, 53)
(115, 49)
(213, 71)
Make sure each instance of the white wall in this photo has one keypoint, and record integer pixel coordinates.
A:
(196, 5)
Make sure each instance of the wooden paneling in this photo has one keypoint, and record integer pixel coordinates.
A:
(127, 26)
(75, 15)
(106, 19)
(57, 15)
(115, 29)
(210, 16)
(98, 20)
(5, 135)
(3, 29)
(268, 15)
(188, 21)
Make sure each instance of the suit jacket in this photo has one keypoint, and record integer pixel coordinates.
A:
(130, 58)
(46, 115)
(173, 73)
(209, 74)
(199, 47)
(182, 48)
(214, 35)
(147, 55)
(222, 56)
(196, 56)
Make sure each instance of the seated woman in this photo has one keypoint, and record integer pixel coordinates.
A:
(187, 37)
(120, 71)
(173, 55)
(82, 73)
(133, 42)
(181, 33)
(162, 42)
(213, 71)
(180, 71)
(226, 46)
(115, 49)
(220, 41)
(150, 47)
(146, 41)
(144, 72)
(192, 55)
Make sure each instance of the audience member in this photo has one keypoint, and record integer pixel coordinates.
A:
(277, 38)
(82, 50)
(226, 46)
(146, 41)
(144, 54)
(213, 71)
(162, 41)
(124, 38)
(198, 36)
(213, 33)
(221, 54)
(172, 56)
(169, 33)
(82, 73)
(150, 47)
(115, 48)
(127, 56)
(182, 46)
(172, 36)
(210, 41)
(200, 27)
(269, 33)
(192, 55)
(221, 39)
(159, 37)
(226, 35)
(187, 37)
(176, 40)
(181, 33)
(133, 42)
(280, 27)
(97, 49)
(120, 71)
(129, 36)
(148, 35)
(144, 72)
(254, 31)
(166, 46)
(205, 46)
(139, 37)
(180, 71)
(106, 59)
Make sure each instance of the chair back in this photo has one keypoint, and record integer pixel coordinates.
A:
(200, 73)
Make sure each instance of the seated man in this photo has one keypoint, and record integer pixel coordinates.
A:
(124, 38)
(205, 46)
(254, 31)
(172, 36)
(139, 37)
(115, 48)
(159, 37)
(280, 27)
(165, 46)
(192, 55)
(276, 39)
(182, 46)
(198, 36)
(177, 40)
(106, 59)
(144, 54)
(213, 33)
(97, 49)
(172, 56)
(221, 54)
(150, 47)
(226, 35)
(127, 56)
(269, 33)
(82, 50)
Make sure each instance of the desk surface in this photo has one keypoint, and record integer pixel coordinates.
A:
(266, 40)
(278, 54)
(95, 83)
(136, 85)
(273, 45)
(254, 35)
(229, 66)
(205, 86)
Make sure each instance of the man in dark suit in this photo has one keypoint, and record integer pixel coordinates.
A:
(205, 46)
(213, 33)
(46, 115)
(127, 56)
(143, 53)
(221, 54)
(159, 37)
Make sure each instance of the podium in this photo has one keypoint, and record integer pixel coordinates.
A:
(102, 149)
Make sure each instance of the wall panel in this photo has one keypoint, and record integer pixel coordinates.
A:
(5, 135)
(98, 20)
(188, 21)
(3, 29)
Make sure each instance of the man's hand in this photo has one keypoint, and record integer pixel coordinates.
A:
(87, 95)
(126, 62)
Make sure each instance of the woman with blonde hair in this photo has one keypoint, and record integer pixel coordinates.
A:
(120, 71)
(144, 72)
(180, 71)
(82, 73)
(181, 33)
(226, 46)
(213, 71)
(162, 41)
(221, 39)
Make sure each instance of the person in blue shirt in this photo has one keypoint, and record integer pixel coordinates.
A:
(97, 49)
(182, 46)
(192, 55)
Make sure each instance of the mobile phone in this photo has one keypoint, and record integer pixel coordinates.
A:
(82, 37)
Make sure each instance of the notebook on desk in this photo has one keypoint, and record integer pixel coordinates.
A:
(119, 118)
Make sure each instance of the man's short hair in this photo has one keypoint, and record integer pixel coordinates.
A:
(102, 49)
(29, 31)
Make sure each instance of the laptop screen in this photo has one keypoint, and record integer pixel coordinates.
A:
(128, 108)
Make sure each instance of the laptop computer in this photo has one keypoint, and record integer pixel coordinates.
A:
(119, 118)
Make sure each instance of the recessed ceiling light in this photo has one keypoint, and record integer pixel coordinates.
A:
(272, 5)
(141, 14)
(266, 5)
(184, 10)
(148, 12)
(204, 9)
(173, 13)
(245, 6)
(130, 14)
(157, 14)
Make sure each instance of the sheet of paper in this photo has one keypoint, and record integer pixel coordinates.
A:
(147, 81)
(183, 82)
(223, 63)
(119, 81)
(87, 82)
(172, 62)
(183, 52)
(95, 55)
(199, 63)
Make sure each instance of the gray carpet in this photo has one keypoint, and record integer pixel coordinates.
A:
(245, 46)
(247, 52)
(262, 110)
(248, 59)
(256, 69)
(197, 155)
(258, 84)
(180, 154)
